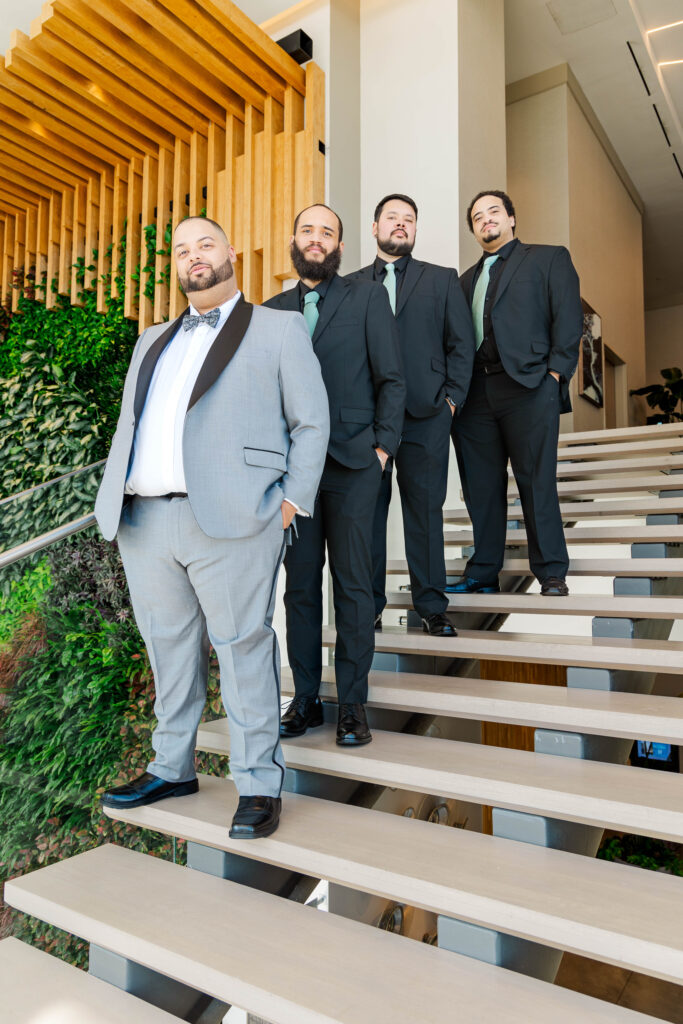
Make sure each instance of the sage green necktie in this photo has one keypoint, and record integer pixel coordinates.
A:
(390, 285)
(311, 314)
(479, 298)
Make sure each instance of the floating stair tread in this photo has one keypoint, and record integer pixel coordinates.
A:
(278, 959)
(628, 448)
(35, 987)
(587, 535)
(645, 567)
(622, 434)
(573, 903)
(592, 792)
(599, 712)
(614, 508)
(535, 648)
(659, 463)
(614, 485)
(619, 607)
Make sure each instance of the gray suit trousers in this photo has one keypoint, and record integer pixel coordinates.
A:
(187, 590)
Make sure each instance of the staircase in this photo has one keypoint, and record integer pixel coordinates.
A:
(503, 903)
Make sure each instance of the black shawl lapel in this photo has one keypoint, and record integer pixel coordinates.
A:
(512, 264)
(223, 349)
(148, 364)
(413, 273)
(336, 292)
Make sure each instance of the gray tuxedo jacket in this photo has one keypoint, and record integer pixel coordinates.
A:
(256, 428)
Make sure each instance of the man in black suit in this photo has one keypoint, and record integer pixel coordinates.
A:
(437, 348)
(355, 339)
(526, 312)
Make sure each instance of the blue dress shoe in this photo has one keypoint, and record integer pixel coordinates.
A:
(146, 789)
(468, 585)
(256, 817)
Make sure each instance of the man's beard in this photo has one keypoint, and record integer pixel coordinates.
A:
(395, 246)
(313, 270)
(200, 284)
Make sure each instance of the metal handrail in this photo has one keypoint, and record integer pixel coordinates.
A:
(49, 483)
(45, 540)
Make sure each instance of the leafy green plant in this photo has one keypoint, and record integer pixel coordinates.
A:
(668, 397)
(643, 852)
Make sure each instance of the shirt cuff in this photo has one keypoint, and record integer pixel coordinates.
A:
(299, 511)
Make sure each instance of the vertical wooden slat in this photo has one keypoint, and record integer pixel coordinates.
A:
(3, 230)
(150, 171)
(18, 261)
(92, 223)
(119, 208)
(53, 249)
(8, 260)
(133, 233)
(314, 187)
(42, 234)
(215, 163)
(30, 251)
(164, 198)
(65, 241)
(293, 125)
(251, 261)
(78, 241)
(181, 186)
(104, 240)
(198, 174)
(273, 122)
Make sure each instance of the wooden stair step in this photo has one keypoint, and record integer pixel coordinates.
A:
(282, 961)
(660, 463)
(478, 878)
(614, 485)
(586, 535)
(595, 793)
(36, 988)
(602, 713)
(650, 446)
(617, 607)
(532, 648)
(644, 432)
(613, 508)
(664, 568)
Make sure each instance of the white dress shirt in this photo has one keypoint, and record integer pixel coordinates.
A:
(157, 464)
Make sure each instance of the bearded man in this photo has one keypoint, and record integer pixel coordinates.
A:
(355, 339)
(437, 346)
(220, 443)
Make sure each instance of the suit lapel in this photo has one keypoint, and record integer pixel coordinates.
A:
(225, 345)
(512, 264)
(290, 299)
(150, 360)
(335, 293)
(413, 273)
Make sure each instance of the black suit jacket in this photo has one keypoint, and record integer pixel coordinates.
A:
(536, 316)
(356, 342)
(435, 333)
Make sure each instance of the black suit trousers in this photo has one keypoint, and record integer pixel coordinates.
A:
(503, 420)
(342, 520)
(422, 477)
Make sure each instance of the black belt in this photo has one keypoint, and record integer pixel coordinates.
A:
(488, 369)
(171, 494)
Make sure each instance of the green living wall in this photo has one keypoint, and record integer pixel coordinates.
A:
(76, 690)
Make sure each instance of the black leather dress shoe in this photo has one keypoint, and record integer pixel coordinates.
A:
(468, 585)
(146, 789)
(438, 624)
(303, 713)
(554, 586)
(256, 817)
(352, 726)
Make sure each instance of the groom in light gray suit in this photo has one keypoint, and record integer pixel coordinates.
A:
(221, 441)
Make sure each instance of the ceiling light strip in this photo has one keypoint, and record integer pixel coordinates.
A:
(661, 28)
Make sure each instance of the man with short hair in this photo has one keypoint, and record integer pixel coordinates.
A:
(437, 348)
(527, 317)
(354, 337)
(220, 442)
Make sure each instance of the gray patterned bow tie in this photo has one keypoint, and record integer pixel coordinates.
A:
(211, 318)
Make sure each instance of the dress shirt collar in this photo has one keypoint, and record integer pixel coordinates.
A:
(399, 264)
(225, 309)
(501, 253)
(320, 288)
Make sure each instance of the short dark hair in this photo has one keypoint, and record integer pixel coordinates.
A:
(325, 207)
(503, 196)
(214, 224)
(387, 199)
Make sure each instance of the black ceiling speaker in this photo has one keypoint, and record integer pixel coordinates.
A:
(298, 45)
